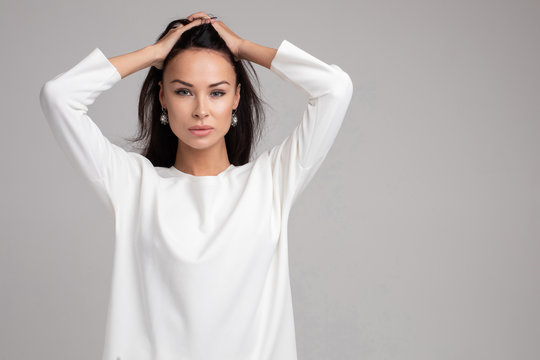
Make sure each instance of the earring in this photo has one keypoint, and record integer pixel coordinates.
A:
(164, 118)
(234, 119)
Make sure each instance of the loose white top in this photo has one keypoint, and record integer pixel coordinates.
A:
(200, 262)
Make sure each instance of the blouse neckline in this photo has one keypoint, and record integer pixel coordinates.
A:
(201, 177)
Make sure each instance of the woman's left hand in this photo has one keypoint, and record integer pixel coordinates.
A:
(232, 40)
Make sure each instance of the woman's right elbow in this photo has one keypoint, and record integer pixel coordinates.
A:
(343, 86)
(45, 91)
(49, 94)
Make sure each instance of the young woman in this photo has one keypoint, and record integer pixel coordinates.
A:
(201, 262)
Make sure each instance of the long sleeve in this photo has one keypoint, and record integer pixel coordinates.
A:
(329, 88)
(64, 100)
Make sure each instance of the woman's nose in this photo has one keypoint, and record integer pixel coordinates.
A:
(200, 110)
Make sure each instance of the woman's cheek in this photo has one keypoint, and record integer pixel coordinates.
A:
(222, 109)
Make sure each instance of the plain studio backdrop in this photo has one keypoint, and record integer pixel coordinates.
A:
(418, 238)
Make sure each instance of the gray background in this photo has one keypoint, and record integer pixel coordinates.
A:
(419, 238)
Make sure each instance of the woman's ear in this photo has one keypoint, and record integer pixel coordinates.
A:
(237, 96)
(161, 99)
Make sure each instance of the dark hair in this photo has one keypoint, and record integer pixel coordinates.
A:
(159, 143)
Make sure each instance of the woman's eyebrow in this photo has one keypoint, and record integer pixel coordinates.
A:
(191, 85)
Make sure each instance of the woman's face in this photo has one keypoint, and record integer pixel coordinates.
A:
(198, 88)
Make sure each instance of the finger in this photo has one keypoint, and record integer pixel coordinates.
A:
(193, 16)
(193, 23)
(202, 19)
(219, 24)
(198, 15)
(177, 26)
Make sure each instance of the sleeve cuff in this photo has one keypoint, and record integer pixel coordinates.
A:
(98, 55)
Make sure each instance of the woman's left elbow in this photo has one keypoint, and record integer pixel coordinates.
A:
(343, 85)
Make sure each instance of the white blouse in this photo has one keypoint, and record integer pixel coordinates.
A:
(200, 262)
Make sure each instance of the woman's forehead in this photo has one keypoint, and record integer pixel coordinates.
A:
(200, 63)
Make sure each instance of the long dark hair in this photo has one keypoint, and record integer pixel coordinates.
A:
(159, 143)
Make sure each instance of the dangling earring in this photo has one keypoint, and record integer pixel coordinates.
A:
(234, 119)
(164, 118)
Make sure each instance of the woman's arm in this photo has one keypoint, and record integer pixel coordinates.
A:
(256, 53)
(152, 55)
(243, 48)
(65, 100)
(329, 89)
(134, 61)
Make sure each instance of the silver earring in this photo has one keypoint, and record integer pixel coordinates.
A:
(234, 119)
(164, 118)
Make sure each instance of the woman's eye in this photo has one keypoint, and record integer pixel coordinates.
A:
(186, 92)
(181, 91)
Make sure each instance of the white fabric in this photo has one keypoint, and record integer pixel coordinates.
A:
(200, 263)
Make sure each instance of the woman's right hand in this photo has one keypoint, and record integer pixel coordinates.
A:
(164, 45)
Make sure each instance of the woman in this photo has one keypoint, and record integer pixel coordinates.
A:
(201, 262)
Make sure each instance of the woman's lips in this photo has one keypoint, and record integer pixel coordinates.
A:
(201, 132)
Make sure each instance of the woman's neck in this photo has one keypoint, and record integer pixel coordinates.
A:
(206, 162)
